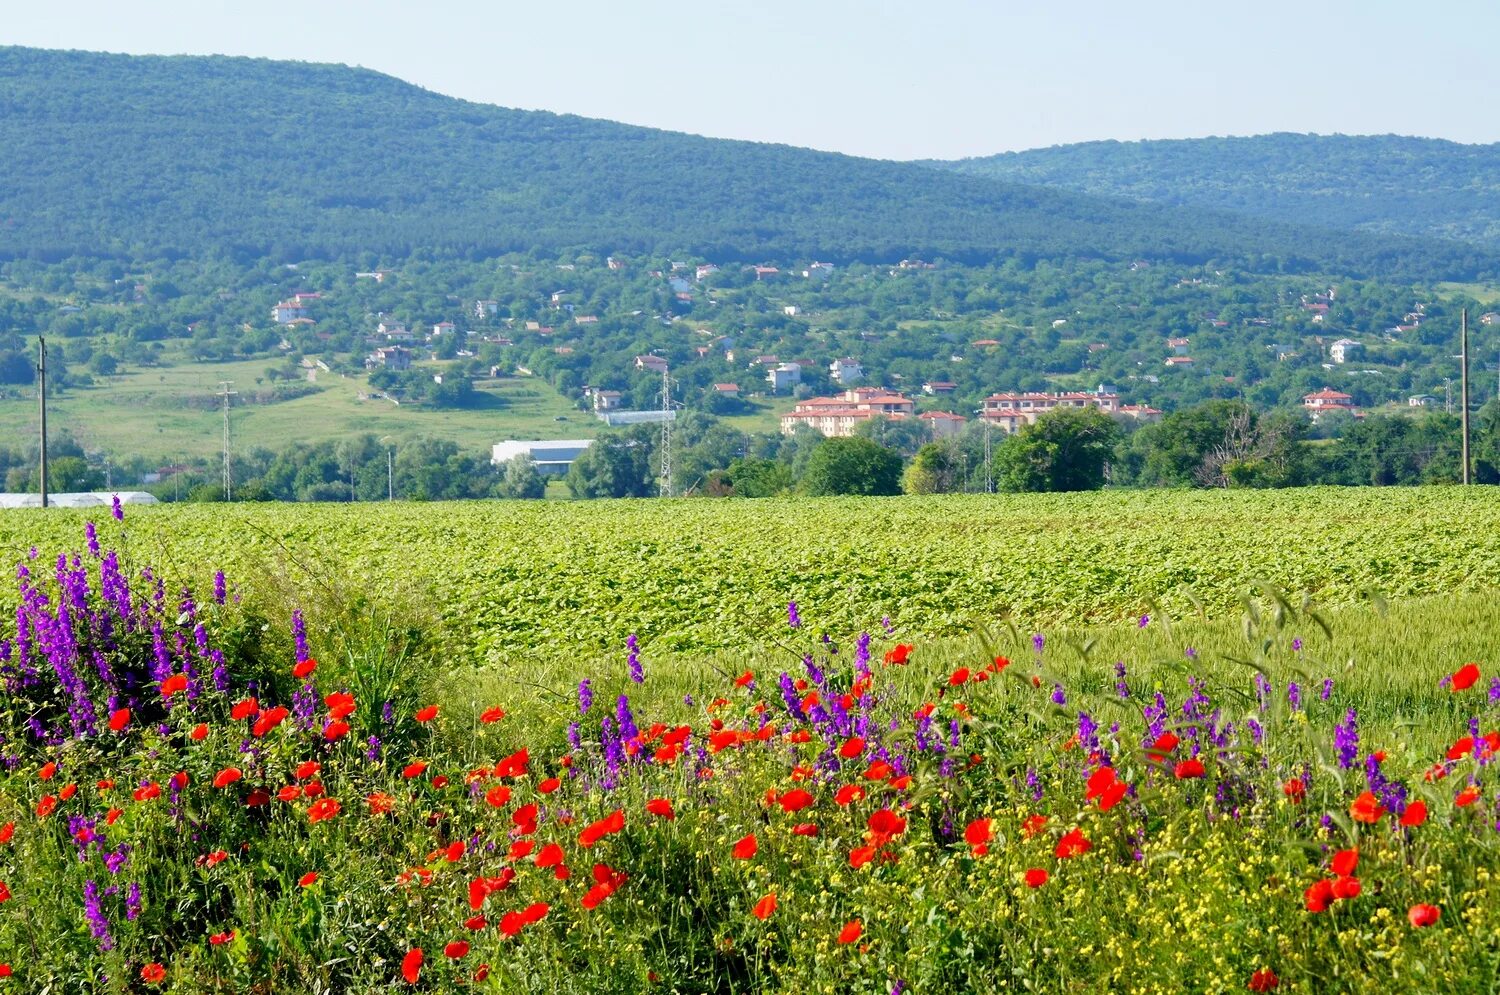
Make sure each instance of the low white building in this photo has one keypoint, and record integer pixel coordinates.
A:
(783, 376)
(553, 456)
(1344, 350)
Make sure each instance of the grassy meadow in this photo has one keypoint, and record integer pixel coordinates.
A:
(167, 413)
(1103, 743)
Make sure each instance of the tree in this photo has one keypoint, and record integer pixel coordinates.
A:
(753, 477)
(521, 479)
(852, 466)
(1064, 450)
(616, 465)
(936, 469)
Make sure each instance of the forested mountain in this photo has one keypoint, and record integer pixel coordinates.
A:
(139, 157)
(1375, 183)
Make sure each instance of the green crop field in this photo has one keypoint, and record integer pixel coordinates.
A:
(1029, 743)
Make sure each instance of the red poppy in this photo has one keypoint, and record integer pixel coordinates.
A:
(219, 939)
(427, 714)
(308, 880)
(744, 680)
(4, 892)
(244, 708)
(805, 829)
(7, 831)
(959, 676)
(379, 803)
(514, 765)
(851, 931)
(175, 684)
(1112, 795)
(200, 732)
(765, 907)
(304, 668)
(1345, 862)
(227, 776)
(498, 796)
(1465, 676)
(475, 923)
(1366, 808)
(899, 655)
(1415, 814)
(455, 851)
(849, 793)
(1187, 769)
(593, 833)
(860, 856)
(456, 950)
(852, 747)
(1072, 844)
(257, 797)
(1467, 796)
(1264, 980)
(1423, 915)
(878, 770)
(1036, 877)
(340, 704)
(606, 881)
(153, 973)
(290, 793)
(411, 965)
(1348, 887)
(269, 719)
(796, 800)
(883, 824)
(1098, 781)
(335, 730)
(661, 807)
(1294, 789)
(1032, 825)
(1318, 895)
(323, 808)
(1165, 743)
(119, 719)
(415, 769)
(745, 847)
(978, 835)
(69, 790)
(550, 855)
(492, 715)
(548, 786)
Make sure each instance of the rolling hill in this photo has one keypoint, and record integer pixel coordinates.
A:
(146, 156)
(1376, 183)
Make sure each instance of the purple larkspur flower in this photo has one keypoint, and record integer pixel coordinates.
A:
(1191, 653)
(372, 749)
(633, 661)
(1297, 644)
(94, 913)
(221, 588)
(133, 901)
(793, 618)
(1346, 740)
(299, 635)
(1058, 697)
(115, 509)
(585, 696)
(91, 533)
(1294, 695)
(862, 655)
(1038, 641)
(1145, 620)
(1327, 691)
(1121, 688)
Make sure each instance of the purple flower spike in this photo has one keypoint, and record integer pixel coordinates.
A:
(793, 619)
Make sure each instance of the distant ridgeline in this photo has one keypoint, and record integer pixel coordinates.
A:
(140, 157)
(1374, 183)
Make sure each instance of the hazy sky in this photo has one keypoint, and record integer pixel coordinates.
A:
(901, 80)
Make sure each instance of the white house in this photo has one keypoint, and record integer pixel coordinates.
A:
(846, 371)
(783, 376)
(288, 311)
(1344, 350)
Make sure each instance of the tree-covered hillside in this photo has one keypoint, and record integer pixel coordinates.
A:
(1377, 183)
(140, 157)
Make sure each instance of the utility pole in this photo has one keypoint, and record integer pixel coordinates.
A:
(390, 476)
(989, 477)
(226, 394)
(41, 382)
(666, 434)
(1463, 349)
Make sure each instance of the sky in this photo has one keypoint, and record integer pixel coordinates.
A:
(894, 80)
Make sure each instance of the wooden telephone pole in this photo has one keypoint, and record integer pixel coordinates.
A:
(41, 381)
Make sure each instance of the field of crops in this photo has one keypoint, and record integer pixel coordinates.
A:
(516, 578)
(755, 747)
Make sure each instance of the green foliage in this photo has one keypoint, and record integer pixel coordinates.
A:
(1374, 183)
(617, 465)
(520, 479)
(935, 469)
(277, 159)
(852, 466)
(1067, 449)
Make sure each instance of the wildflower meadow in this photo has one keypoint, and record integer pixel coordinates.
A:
(228, 788)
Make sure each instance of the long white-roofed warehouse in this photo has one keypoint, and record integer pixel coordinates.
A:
(552, 456)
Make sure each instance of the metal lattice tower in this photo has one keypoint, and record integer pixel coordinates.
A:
(226, 394)
(666, 434)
